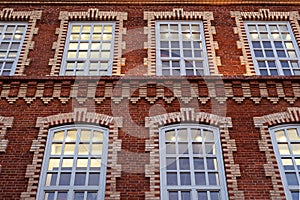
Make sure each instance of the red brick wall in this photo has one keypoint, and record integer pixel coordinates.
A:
(132, 184)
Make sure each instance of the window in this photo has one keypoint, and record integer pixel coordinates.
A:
(181, 43)
(89, 49)
(181, 48)
(74, 164)
(12, 36)
(191, 163)
(286, 143)
(274, 49)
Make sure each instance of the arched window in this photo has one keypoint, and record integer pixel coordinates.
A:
(74, 165)
(191, 163)
(286, 143)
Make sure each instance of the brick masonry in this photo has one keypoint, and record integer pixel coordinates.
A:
(242, 107)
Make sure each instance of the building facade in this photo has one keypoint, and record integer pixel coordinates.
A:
(149, 100)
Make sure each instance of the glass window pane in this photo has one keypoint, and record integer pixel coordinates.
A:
(185, 195)
(185, 178)
(79, 196)
(62, 196)
(171, 178)
(94, 178)
(65, 179)
(202, 196)
(173, 195)
(92, 196)
(80, 179)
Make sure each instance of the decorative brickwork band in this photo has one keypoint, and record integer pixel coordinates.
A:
(265, 144)
(180, 14)
(80, 115)
(8, 14)
(152, 170)
(261, 15)
(5, 122)
(92, 14)
(134, 89)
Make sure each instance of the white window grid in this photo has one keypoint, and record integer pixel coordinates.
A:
(286, 143)
(273, 48)
(181, 48)
(89, 49)
(74, 165)
(12, 36)
(191, 163)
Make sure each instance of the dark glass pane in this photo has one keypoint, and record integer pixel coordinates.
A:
(49, 196)
(174, 44)
(80, 179)
(65, 179)
(281, 53)
(295, 196)
(173, 195)
(198, 163)
(185, 178)
(198, 54)
(202, 196)
(171, 178)
(185, 195)
(94, 178)
(256, 44)
(214, 195)
(284, 64)
(184, 163)
(92, 196)
(187, 44)
(267, 44)
(269, 53)
(62, 196)
(200, 179)
(278, 44)
(164, 44)
(258, 53)
(190, 72)
(273, 72)
(263, 72)
(291, 178)
(171, 164)
(79, 196)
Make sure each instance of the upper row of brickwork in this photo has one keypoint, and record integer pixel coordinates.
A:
(212, 2)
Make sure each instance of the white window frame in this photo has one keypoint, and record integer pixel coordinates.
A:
(204, 57)
(16, 58)
(288, 189)
(274, 58)
(88, 60)
(164, 188)
(99, 189)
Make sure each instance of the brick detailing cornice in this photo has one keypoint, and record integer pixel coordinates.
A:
(261, 15)
(152, 170)
(8, 14)
(134, 90)
(265, 144)
(79, 115)
(92, 14)
(180, 14)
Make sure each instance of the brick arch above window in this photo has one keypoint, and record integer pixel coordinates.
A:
(29, 17)
(189, 115)
(92, 14)
(179, 14)
(262, 15)
(80, 116)
(292, 115)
